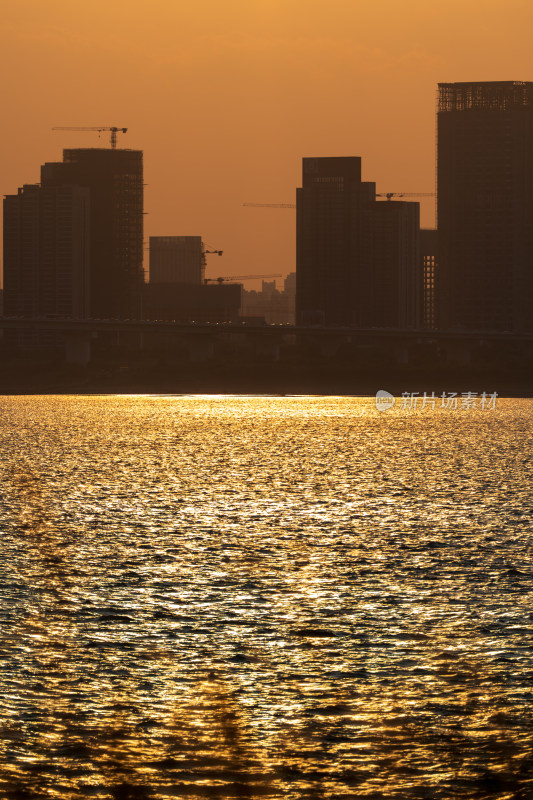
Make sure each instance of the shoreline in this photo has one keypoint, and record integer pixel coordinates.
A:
(324, 378)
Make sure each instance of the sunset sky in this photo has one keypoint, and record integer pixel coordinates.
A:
(226, 96)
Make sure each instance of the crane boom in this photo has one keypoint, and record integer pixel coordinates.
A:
(113, 130)
(271, 205)
(242, 278)
(390, 195)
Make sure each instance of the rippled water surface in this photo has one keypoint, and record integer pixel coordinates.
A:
(265, 597)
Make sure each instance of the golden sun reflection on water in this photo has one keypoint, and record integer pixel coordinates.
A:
(299, 597)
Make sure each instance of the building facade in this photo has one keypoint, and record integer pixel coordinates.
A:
(46, 252)
(328, 207)
(429, 258)
(357, 259)
(114, 179)
(485, 205)
(21, 252)
(389, 286)
(189, 302)
(271, 305)
(176, 259)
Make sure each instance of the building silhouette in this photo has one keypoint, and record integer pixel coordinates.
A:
(22, 251)
(192, 302)
(269, 304)
(357, 259)
(428, 254)
(328, 207)
(289, 285)
(176, 259)
(176, 290)
(46, 255)
(485, 205)
(114, 179)
(388, 286)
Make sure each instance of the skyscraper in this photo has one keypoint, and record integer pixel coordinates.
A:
(46, 251)
(328, 209)
(114, 179)
(485, 205)
(22, 251)
(389, 285)
(429, 264)
(357, 260)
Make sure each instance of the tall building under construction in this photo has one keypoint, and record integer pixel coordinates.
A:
(114, 179)
(73, 244)
(485, 205)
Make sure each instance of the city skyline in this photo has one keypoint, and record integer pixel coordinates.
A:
(225, 103)
(266, 537)
(358, 261)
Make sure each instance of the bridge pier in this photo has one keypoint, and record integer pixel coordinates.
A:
(459, 351)
(401, 354)
(266, 347)
(78, 348)
(200, 348)
(327, 345)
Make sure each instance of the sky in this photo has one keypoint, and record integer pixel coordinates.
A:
(225, 97)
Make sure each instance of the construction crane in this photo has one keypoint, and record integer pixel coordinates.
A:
(100, 129)
(390, 195)
(207, 252)
(271, 205)
(242, 278)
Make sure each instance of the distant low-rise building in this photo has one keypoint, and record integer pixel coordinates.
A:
(275, 307)
(189, 302)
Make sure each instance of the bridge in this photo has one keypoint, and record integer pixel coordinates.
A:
(200, 338)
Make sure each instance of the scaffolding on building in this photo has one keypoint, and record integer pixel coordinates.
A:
(496, 95)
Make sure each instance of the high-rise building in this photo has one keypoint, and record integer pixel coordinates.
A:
(22, 252)
(389, 285)
(429, 259)
(64, 273)
(357, 260)
(114, 179)
(46, 251)
(328, 209)
(176, 259)
(485, 205)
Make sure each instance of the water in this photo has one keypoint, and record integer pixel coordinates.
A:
(265, 597)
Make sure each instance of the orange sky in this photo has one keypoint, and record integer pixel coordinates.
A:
(226, 96)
